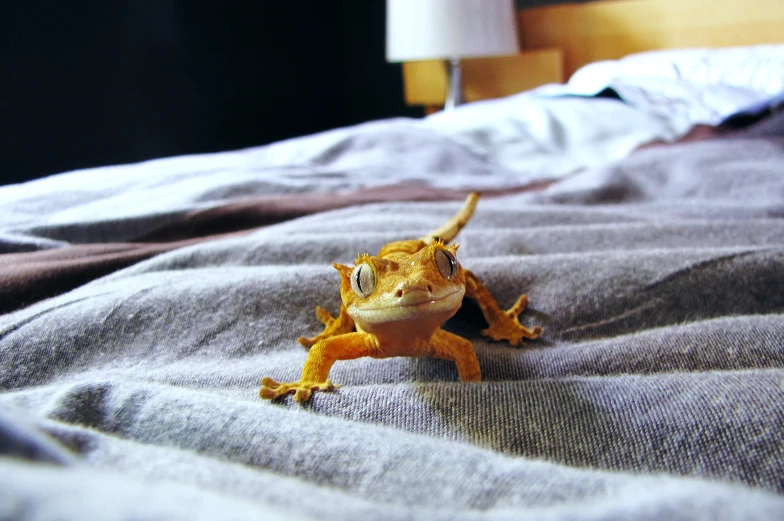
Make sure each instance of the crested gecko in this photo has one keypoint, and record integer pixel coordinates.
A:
(394, 303)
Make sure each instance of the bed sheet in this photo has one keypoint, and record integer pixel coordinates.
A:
(656, 391)
(487, 146)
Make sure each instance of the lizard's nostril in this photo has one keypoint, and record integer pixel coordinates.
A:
(429, 288)
(399, 293)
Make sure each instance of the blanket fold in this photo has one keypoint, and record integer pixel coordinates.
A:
(656, 391)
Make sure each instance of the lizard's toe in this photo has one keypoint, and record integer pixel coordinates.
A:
(303, 394)
(324, 316)
(268, 394)
(302, 391)
(306, 342)
(269, 382)
(270, 389)
(536, 333)
(518, 306)
(512, 332)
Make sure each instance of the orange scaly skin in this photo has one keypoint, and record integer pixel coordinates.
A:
(395, 303)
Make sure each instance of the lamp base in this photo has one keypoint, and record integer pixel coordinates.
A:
(454, 90)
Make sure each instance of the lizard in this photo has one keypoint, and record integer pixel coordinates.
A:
(394, 304)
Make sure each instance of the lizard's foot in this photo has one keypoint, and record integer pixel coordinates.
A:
(302, 391)
(506, 327)
(332, 326)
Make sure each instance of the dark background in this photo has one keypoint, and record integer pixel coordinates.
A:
(97, 82)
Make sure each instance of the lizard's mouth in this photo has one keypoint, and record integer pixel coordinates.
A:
(416, 304)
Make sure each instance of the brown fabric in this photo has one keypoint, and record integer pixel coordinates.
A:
(26, 278)
(769, 127)
(697, 133)
(266, 210)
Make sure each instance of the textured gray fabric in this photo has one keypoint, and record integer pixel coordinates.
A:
(656, 392)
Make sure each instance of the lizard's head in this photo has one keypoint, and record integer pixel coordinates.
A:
(425, 287)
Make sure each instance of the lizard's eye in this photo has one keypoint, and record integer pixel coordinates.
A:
(363, 280)
(446, 263)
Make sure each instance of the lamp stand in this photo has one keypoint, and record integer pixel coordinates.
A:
(454, 90)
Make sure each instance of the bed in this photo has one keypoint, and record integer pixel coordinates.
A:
(141, 305)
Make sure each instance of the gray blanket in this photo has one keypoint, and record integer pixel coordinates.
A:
(656, 391)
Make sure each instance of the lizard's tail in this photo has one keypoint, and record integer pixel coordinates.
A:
(449, 231)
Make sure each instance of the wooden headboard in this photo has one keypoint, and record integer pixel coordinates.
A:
(555, 41)
(607, 30)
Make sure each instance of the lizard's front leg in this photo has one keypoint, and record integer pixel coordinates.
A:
(449, 346)
(332, 326)
(503, 325)
(321, 357)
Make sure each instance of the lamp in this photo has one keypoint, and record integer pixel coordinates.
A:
(450, 30)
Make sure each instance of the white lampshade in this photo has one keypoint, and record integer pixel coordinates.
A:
(435, 29)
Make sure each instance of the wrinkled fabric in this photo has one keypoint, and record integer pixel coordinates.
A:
(472, 148)
(656, 391)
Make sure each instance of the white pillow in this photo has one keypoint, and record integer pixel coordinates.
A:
(759, 67)
(698, 85)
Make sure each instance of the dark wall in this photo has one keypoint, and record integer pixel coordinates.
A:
(92, 82)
